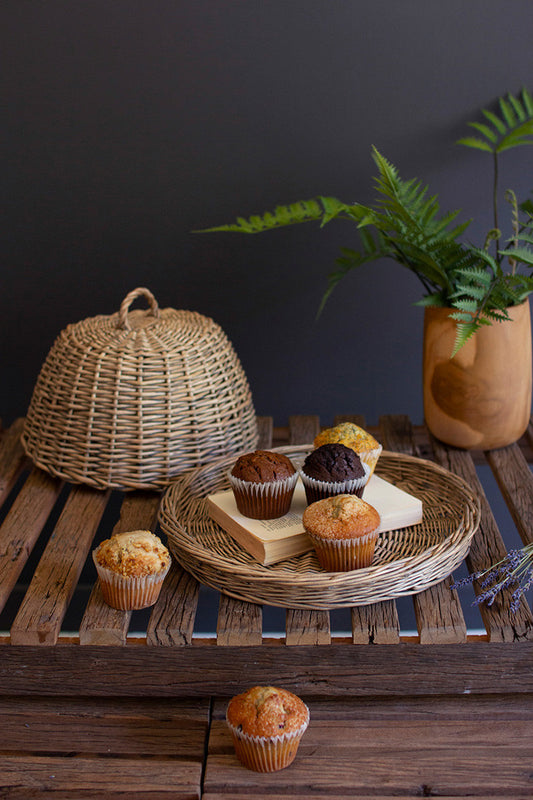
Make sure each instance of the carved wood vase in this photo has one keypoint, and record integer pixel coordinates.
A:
(480, 398)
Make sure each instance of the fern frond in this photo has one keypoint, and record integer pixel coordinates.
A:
(321, 208)
(512, 127)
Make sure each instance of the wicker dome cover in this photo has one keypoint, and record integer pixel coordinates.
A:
(131, 400)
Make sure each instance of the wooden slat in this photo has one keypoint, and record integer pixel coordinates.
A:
(22, 526)
(486, 549)
(102, 624)
(40, 615)
(124, 726)
(438, 612)
(302, 626)
(12, 458)
(356, 756)
(32, 776)
(265, 430)
(336, 669)
(172, 619)
(377, 623)
(239, 623)
(515, 480)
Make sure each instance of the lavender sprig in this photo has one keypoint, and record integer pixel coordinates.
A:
(515, 570)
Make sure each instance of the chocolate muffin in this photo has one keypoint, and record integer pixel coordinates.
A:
(333, 469)
(263, 484)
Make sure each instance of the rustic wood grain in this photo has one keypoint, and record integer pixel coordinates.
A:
(114, 726)
(486, 549)
(265, 431)
(515, 480)
(40, 615)
(23, 525)
(172, 619)
(102, 624)
(12, 458)
(239, 622)
(438, 612)
(338, 670)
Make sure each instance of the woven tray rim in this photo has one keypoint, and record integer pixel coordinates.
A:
(280, 585)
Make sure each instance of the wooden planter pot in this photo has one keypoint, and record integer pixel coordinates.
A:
(480, 398)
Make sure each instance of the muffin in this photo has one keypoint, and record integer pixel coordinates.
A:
(333, 469)
(266, 725)
(131, 567)
(263, 484)
(366, 447)
(343, 530)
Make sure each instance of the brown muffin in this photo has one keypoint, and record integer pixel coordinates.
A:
(333, 469)
(131, 567)
(344, 531)
(263, 484)
(351, 435)
(267, 724)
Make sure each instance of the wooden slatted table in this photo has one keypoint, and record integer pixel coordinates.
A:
(108, 711)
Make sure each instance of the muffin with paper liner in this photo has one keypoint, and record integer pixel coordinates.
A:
(367, 448)
(333, 469)
(131, 567)
(343, 530)
(266, 725)
(263, 484)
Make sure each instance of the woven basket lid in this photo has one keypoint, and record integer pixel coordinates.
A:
(131, 400)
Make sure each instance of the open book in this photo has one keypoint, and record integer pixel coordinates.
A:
(271, 540)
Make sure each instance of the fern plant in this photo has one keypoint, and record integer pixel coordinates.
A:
(405, 224)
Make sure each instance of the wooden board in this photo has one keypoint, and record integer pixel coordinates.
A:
(270, 541)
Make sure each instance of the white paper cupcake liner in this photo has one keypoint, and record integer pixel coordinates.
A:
(318, 490)
(129, 594)
(370, 457)
(263, 500)
(267, 753)
(342, 555)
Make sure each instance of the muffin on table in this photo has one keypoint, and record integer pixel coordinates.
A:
(367, 448)
(333, 469)
(344, 530)
(131, 567)
(266, 725)
(263, 484)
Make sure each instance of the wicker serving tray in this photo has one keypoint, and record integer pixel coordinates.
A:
(406, 561)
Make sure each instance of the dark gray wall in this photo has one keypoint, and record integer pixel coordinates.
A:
(127, 124)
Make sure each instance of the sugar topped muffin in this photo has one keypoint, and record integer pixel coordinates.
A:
(133, 554)
(344, 530)
(263, 484)
(131, 567)
(267, 724)
(351, 435)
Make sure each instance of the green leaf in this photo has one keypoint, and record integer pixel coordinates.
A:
(478, 144)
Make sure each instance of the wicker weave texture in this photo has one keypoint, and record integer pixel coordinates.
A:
(133, 399)
(406, 561)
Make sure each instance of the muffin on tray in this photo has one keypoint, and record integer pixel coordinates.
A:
(132, 567)
(266, 725)
(263, 484)
(333, 469)
(343, 530)
(366, 447)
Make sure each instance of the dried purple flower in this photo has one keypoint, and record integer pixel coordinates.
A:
(516, 569)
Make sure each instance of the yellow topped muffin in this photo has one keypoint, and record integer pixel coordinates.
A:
(267, 724)
(131, 567)
(344, 530)
(367, 448)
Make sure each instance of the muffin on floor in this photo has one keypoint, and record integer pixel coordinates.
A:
(266, 725)
(333, 469)
(367, 448)
(344, 530)
(263, 484)
(132, 567)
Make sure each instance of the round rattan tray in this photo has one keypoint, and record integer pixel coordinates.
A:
(406, 561)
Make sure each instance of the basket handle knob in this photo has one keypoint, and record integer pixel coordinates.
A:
(128, 300)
